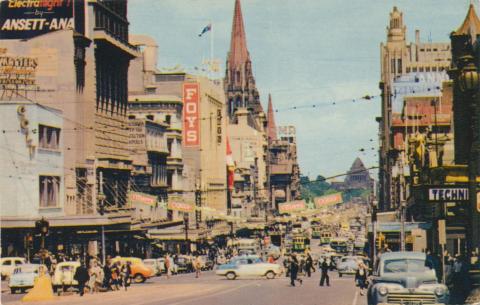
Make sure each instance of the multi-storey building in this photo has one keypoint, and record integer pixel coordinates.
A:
(398, 59)
(81, 68)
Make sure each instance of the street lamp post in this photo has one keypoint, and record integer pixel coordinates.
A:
(469, 84)
(185, 222)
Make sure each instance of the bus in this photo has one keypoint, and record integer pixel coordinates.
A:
(339, 245)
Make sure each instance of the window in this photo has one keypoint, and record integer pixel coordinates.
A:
(150, 117)
(7, 263)
(150, 90)
(48, 137)
(168, 119)
(49, 191)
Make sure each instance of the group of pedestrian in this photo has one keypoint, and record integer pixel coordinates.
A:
(111, 277)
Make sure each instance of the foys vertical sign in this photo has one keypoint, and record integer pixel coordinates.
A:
(191, 115)
(22, 19)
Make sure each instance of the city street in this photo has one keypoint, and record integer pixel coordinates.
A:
(210, 289)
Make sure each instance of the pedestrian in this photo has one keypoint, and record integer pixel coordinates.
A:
(286, 265)
(294, 266)
(309, 265)
(361, 277)
(168, 266)
(324, 266)
(115, 271)
(92, 272)
(197, 265)
(126, 273)
(107, 276)
(82, 277)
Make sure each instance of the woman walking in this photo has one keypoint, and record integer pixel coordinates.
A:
(294, 266)
(126, 273)
(361, 277)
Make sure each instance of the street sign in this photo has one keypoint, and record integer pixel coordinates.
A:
(447, 193)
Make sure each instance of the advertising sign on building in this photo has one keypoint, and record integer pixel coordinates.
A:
(191, 115)
(291, 206)
(141, 198)
(180, 206)
(21, 19)
(17, 72)
(447, 193)
(328, 200)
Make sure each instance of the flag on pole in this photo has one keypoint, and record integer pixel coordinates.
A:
(205, 29)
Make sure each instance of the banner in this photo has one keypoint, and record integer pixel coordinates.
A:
(191, 115)
(141, 198)
(291, 206)
(23, 19)
(328, 200)
(180, 206)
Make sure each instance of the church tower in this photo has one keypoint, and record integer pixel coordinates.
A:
(271, 126)
(240, 88)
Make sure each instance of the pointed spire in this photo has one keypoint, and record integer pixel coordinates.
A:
(238, 45)
(471, 24)
(271, 127)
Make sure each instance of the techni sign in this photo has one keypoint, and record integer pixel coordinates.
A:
(21, 19)
(191, 113)
(436, 194)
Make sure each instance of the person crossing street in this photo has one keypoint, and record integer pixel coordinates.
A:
(324, 266)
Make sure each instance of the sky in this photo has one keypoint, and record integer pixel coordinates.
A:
(303, 52)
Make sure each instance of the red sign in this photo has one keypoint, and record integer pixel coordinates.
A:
(292, 206)
(191, 115)
(180, 206)
(328, 200)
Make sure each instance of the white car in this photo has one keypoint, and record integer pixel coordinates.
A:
(23, 277)
(154, 264)
(63, 276)
(9, 264)
(248, 267)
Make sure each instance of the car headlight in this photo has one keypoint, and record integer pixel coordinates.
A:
(382, 290)
(439, 291)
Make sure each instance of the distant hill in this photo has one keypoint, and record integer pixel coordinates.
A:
(310, 189)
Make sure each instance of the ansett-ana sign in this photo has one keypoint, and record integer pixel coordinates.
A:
(441, 194)
(22, 19)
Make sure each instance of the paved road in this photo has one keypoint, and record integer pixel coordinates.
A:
(213, 290)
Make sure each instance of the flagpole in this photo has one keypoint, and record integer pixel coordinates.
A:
(211, 49)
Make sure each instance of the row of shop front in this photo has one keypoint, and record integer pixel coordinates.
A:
(81, 236)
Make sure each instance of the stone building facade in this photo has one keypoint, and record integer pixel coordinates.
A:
(398, 59)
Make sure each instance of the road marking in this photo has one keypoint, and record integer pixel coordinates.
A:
(355, 298)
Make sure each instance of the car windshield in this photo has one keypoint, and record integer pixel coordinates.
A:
(405, 265)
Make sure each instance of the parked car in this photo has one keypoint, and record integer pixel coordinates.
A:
(23, 277)
(184, 263)
(9, 264)
(405, 278)
(349, 264)
(63, 275)
(207, 264)
(153, 263)
(140, 271)
(248, 267)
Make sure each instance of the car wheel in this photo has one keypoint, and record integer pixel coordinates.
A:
(270, 275)
(138, 278)
(231, 275)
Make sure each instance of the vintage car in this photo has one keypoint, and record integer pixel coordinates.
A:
(63, 275)
(405, 278)
(245, 266)
(23, 277)
(140, 271)
(154, 264)
(8, 264)
(349, 264)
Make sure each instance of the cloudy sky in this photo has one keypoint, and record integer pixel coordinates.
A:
(304, 52)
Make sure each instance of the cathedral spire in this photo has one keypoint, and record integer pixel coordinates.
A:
(471, 24)
(271, 126)
(238, 45)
